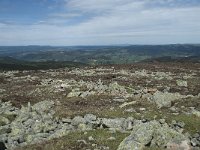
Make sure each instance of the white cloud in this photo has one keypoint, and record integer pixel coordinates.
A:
(111, 22)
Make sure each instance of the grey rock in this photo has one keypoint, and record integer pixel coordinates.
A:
(90, 118)
(113, 123)
(90, 138)
(43, 106)
(66, 120)
(152, 133)
(181, 83)
(162, 121)
(111, 138)
(165, 99)
(5, 129)
(181, 124)
(195, 142)
(78, 120)
(196, 135)
(4, 120)
(183, 145)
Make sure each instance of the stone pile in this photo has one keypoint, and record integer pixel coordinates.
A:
(33, 124)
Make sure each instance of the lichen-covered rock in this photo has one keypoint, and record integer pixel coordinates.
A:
(181, 83)
(151, 134)
(196, 113)
(183, 145)
(117, 123)
(90, 118)
(31, 125)
(74, 94)
(78, 120)
(4, 120)
(43, 106)
(165, 99)
(5, 130)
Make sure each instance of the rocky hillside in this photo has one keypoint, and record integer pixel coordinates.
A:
(114, 107)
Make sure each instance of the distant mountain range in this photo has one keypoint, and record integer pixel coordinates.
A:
(9, 63)
(123, 54)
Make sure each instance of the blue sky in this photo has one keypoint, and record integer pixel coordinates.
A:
(99, 22)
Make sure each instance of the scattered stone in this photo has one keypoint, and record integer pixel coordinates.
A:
(36, 123)
(111, 138)
(83, 127)
(113, 123)
(142, 109)
(195, 142)
(181, 83)
(162, 121)
(173, 109)
(90, 138)
(82, 141)
(66, 120)
(78, 120)
(93, 145)
(90, 118)
(196, 112)
(4, 121)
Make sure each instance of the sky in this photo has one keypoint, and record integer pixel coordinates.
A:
(99, 22)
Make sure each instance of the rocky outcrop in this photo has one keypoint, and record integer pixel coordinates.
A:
(152, 134)
(165, 99)
(34, 124)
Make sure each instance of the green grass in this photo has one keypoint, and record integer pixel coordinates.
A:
(71, 141)
(192, 122)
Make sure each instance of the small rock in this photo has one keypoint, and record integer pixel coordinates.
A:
(142, 109)
(93, 145)
(173, 109)
(111, 138)
(82, 141)
(162, 121)
(4, 121)
(82, 127)
(196, 135)
(90, 118)
(195, 142)
(78, 120)
(113, 123)
(66, 120)
(184, 145)
(90, 138)
(181, 124)
(196, 113)
(181, 83)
